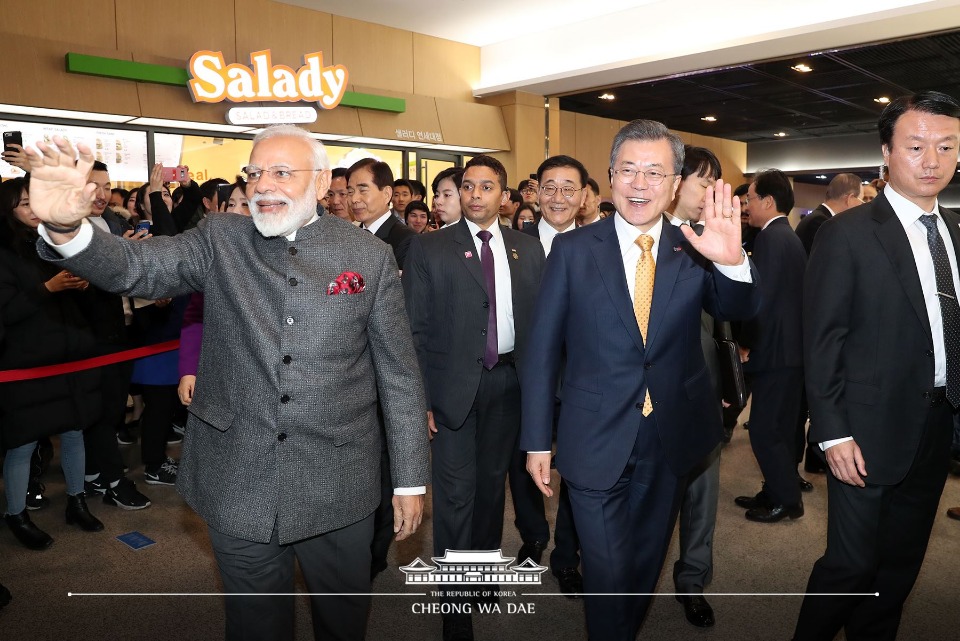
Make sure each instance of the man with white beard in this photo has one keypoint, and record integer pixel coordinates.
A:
(300, 307)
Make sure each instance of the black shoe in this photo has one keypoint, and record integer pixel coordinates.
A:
(571, 582)
(125, 436)
(125, 496)
(35, 498)
(531, 550)
(805, 485)
(760, 499)
(173, 436)
(79, 514)
(26, 532)
(457, 627)
(5, 596)
(698, 611)
(727, 434)
(775, 513)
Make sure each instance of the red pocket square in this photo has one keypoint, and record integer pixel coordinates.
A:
(346, 283)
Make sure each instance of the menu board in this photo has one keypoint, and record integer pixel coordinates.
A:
(124, 151)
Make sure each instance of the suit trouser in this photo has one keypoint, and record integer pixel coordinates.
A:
(698, 521)
(336, 562)
(160, 406)
(773, 421)
(624, 534)
(876, 540)
(470, 465)
(531, 519)
(383, 532)
(100, 440)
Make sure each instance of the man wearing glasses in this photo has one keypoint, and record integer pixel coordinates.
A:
(621, 299)
(563, 182)
(299, 305)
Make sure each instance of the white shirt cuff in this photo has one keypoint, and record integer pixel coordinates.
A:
(739, 273)
(548, 452)
(73, 246)
(410, 491)
(837, 441)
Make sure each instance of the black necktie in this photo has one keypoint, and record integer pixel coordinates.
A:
(949, 309)
(491, 355)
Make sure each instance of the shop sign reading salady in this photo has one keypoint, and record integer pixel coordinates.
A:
(212, 80)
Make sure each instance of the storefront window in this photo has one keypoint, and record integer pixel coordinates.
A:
(207, 157)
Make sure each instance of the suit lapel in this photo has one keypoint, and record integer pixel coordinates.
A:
(383, 232)
(467, 252)
(606, 252)
(668, 267)
(892, 237)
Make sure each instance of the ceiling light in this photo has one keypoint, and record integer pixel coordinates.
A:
(882, 100)
(802, 68)
(821, 177)
(709, 119)
(781, 134)
(607, 96)
(63, 114)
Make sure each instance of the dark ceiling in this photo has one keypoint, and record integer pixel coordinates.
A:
(753, 102)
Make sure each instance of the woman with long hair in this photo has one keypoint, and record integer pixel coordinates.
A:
(43, 325)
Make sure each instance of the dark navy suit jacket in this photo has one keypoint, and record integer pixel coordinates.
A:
(585, 307)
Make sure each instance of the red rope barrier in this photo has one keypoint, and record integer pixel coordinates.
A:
(11, 375)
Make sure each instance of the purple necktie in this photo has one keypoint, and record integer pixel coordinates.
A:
(492, 354)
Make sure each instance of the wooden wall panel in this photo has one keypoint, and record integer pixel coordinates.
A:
(376, 56)
(303, 31)
(35, 74)
(472, 124)
(342, 120)
(421, 115)
(594, 138)
(90, 22)
(444, 69)
(177, 29)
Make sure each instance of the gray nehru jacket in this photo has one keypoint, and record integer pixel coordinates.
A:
(283, 427)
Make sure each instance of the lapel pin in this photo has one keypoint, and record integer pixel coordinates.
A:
(677, 248)
(468, 254)
(515, 257)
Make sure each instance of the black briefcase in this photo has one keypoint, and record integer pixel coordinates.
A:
(731, 373)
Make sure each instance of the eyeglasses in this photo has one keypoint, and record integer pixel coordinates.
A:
(551, 190)
(279, 174)
(528, 191)
(653, 177)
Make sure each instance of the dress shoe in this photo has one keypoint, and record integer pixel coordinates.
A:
(698, 611)
(531, 550)
(775, 513)
(5, 596)
(79, 514)
(805, 485)
(954, 513)
(457, 627)
(759, 500)
(571, 582)
(26, 532)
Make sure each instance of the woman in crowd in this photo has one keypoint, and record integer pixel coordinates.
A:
(43, 325)
(416, 215)
(191, 333)
(526, 216)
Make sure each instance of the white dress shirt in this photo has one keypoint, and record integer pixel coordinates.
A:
(378, 223)
(909, 214)
(548, 233)
(506, 335)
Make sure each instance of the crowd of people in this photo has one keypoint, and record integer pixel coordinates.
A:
(502, 333)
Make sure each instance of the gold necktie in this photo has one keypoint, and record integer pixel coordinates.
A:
(643, 296)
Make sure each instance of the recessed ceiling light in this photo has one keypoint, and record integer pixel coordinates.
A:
(882, 100)
(802, 68)
(607, 96)
(821, 177)
(709, 118)
(781, 134)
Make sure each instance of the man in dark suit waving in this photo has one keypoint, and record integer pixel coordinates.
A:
(623, 297)
(882, 356)
(470, 290)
